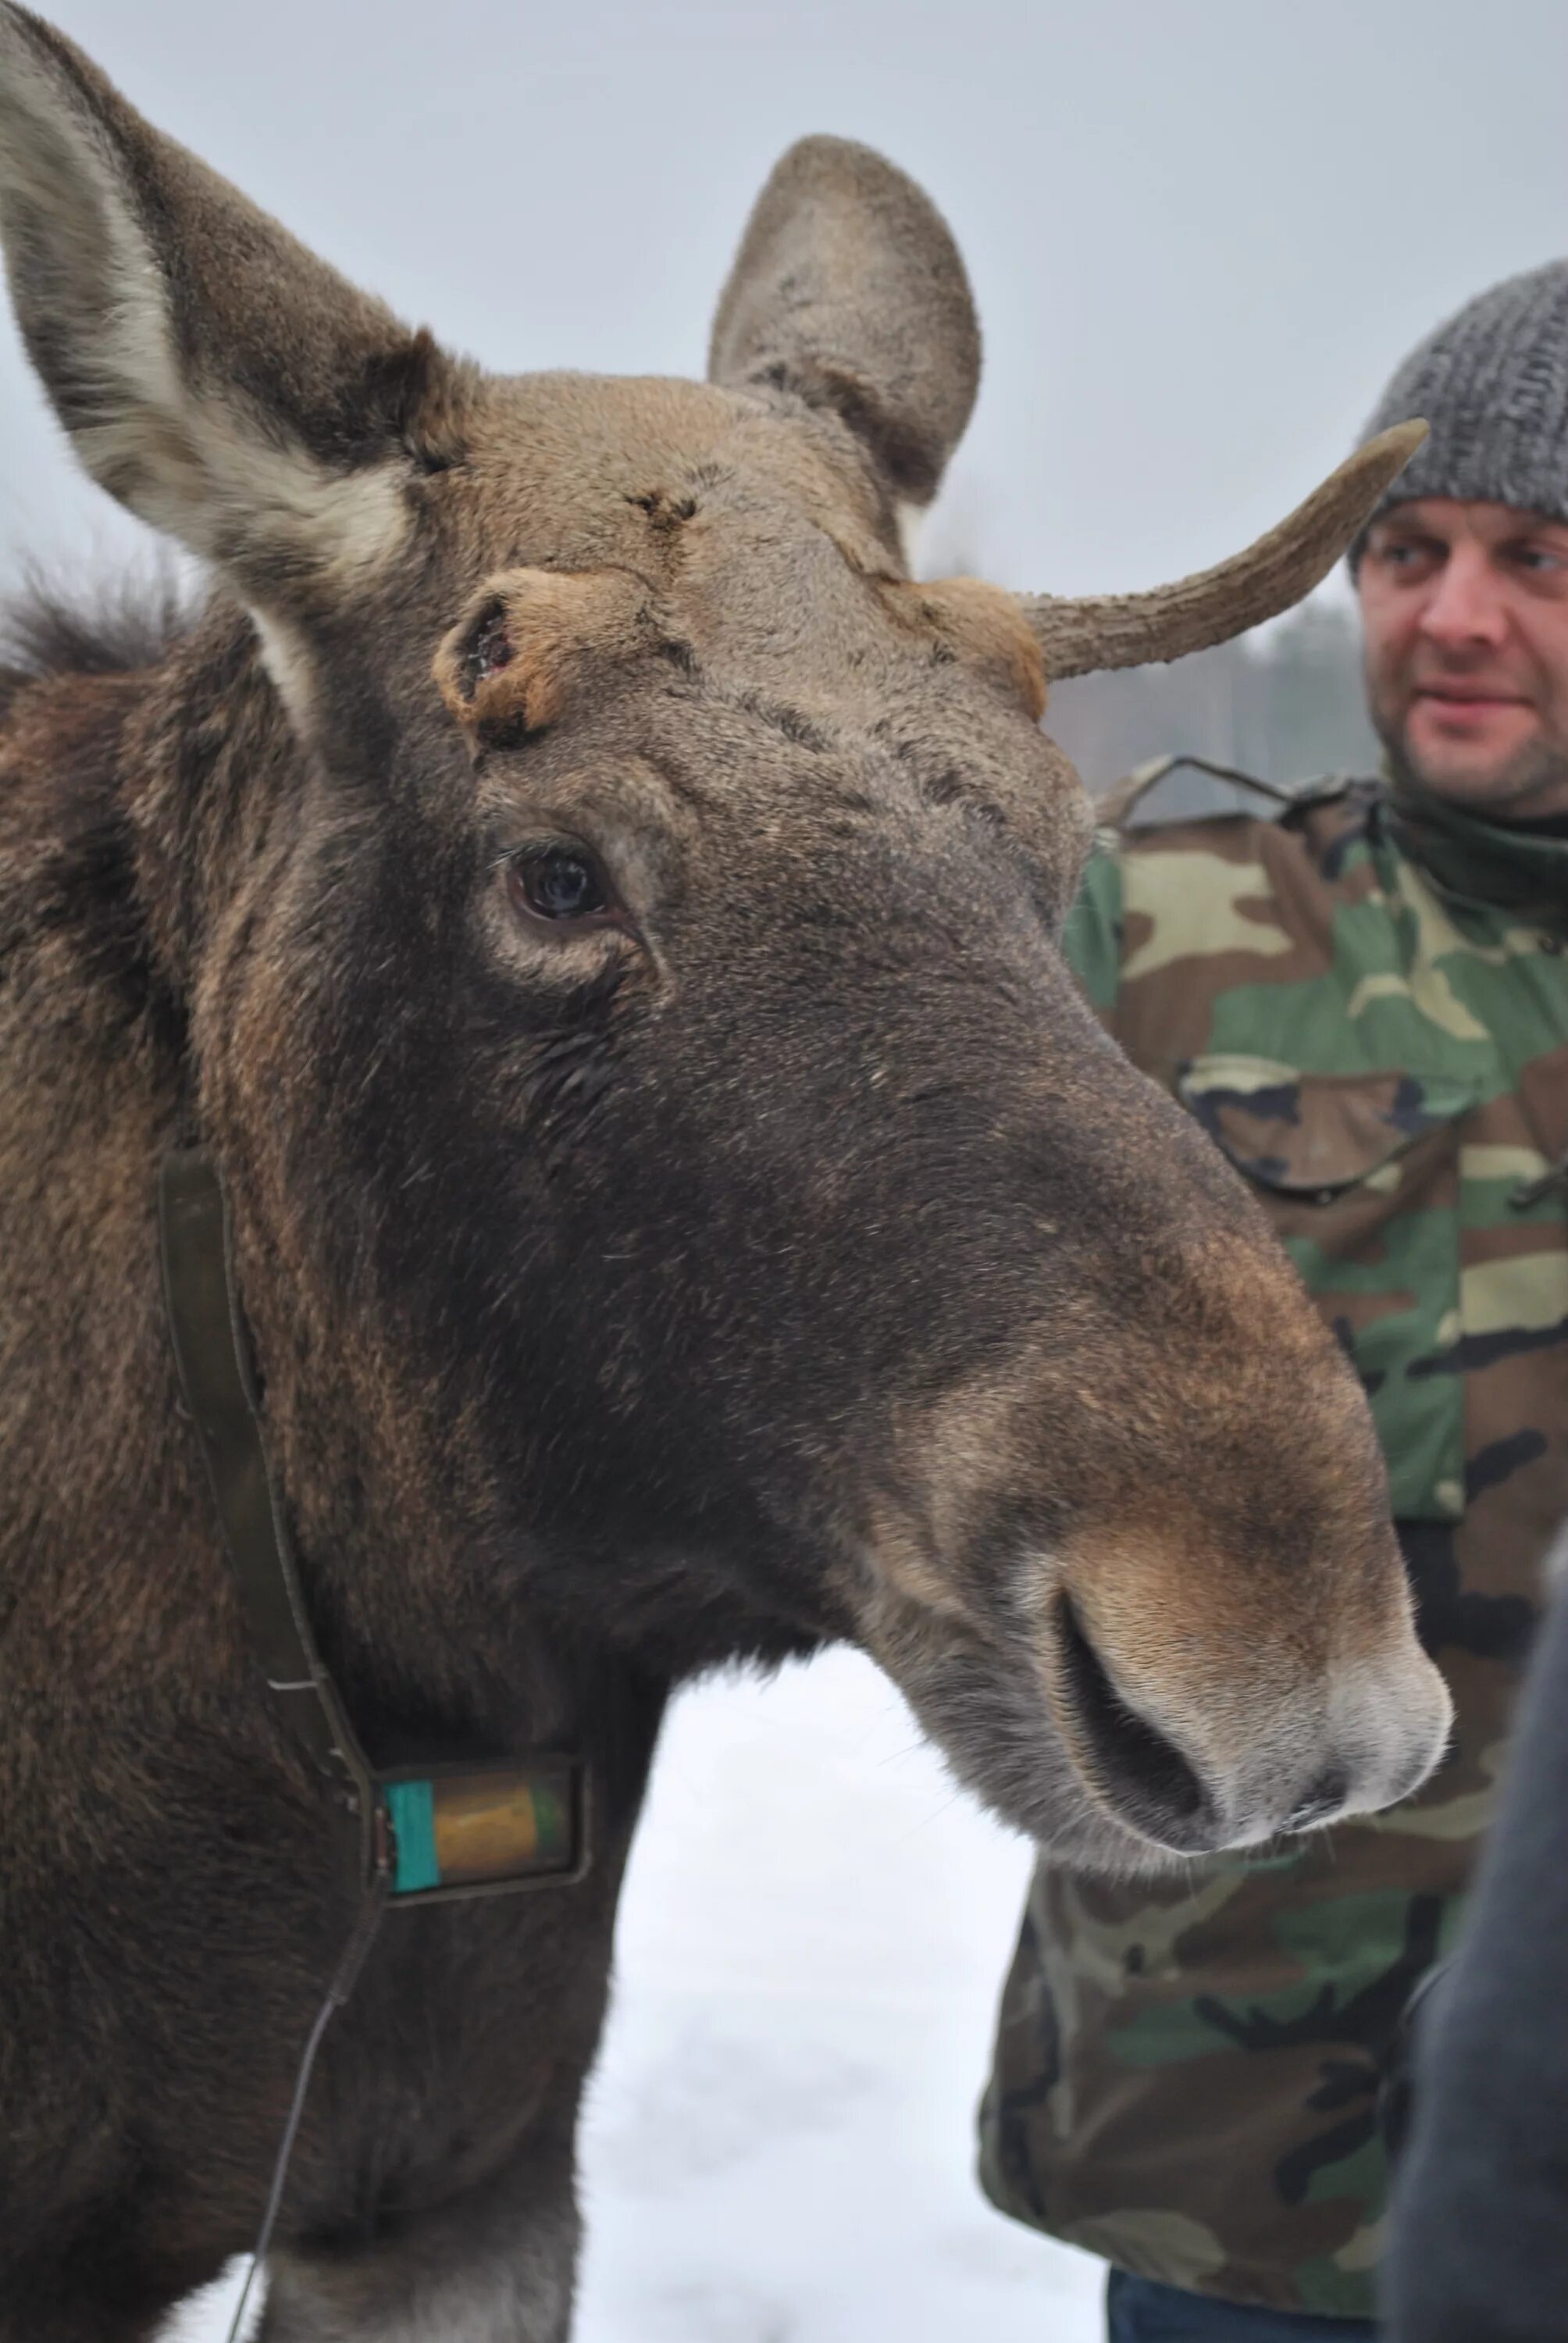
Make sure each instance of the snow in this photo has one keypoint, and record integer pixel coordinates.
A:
(778, 2141)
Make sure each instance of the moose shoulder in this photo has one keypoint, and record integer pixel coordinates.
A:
(600, 919)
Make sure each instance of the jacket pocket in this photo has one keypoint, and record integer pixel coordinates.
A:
(1359, 1175)
(1316, 1137)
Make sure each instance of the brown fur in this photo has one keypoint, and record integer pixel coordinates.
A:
(982, 624)
(787, 1257)
(508, 666)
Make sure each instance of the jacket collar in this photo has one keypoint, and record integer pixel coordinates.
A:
(1505, 868)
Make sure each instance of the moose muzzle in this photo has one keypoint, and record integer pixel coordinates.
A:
(1230, 1733)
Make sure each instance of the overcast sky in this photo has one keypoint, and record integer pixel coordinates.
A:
(1202, 232)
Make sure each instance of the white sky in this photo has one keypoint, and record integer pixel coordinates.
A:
(1202, 232)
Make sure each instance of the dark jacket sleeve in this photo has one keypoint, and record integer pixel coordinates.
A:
(1479, 2251)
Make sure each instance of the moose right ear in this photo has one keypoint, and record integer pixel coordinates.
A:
(847, 290)
(212, 375)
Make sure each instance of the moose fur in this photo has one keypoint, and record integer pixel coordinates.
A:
(602, 919)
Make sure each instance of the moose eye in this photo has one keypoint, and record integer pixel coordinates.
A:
(560, 883)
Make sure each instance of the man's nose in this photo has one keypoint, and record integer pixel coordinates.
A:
(1466, 609)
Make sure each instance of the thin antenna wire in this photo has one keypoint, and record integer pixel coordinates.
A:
(338, 1993)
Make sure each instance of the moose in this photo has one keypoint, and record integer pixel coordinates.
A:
(595, 918)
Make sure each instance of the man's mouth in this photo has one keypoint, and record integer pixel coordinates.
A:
(1460, 697)
(1464, 709)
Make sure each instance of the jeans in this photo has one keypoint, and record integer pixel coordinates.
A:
(1140, 2310)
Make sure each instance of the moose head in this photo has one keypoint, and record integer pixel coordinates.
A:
(603, 918)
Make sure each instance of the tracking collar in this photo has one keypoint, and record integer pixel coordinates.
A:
(423, 1835)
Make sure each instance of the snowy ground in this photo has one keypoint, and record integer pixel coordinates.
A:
(778, 2145)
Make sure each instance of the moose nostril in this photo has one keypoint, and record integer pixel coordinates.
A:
(1326, 1797)
(1145, 1773)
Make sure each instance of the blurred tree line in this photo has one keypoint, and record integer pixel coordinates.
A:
(1286, 704)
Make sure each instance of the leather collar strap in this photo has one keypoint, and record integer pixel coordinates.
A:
(430, 1834)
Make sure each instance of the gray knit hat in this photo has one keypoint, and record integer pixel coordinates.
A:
(1493, 382)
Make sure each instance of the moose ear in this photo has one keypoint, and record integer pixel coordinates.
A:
(847, 290)
(212, 375)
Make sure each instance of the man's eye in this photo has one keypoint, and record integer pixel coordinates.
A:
(560, 883)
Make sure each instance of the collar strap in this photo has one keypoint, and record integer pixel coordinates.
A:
(429, 1833)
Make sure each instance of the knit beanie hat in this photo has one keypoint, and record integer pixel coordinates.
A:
(1493, 383)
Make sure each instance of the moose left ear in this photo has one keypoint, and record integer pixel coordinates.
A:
(847, 289)
(212, 375)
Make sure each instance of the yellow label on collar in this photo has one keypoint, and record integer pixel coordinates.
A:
(464, 1831)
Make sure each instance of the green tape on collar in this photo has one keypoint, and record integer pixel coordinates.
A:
(412, 1807)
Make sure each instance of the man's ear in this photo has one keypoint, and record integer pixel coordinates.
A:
(847, 290)
(212, 375)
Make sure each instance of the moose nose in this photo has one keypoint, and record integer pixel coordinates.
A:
(1136, 1765)
(1327, 1796)
(1355, 1741)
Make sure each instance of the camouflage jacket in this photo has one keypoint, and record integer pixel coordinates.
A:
(1368, 1010)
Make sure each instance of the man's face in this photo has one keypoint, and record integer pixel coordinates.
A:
(1464, 614)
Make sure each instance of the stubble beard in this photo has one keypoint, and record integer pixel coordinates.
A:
(1531, 786)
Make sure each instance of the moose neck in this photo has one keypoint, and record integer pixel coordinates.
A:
(160, 799)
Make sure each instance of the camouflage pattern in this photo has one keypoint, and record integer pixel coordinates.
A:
(1186, 2073)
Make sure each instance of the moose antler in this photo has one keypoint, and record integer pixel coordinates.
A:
(1103, 630)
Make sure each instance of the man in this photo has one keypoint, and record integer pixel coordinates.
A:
(1363, 996)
